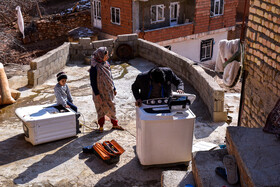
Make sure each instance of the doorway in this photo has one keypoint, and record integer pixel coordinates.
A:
(96, 4)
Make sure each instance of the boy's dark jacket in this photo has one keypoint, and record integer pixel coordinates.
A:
(141, 86)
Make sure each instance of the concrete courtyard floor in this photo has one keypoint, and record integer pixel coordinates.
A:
(62, 163)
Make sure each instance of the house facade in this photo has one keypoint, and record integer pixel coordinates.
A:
(190, 28)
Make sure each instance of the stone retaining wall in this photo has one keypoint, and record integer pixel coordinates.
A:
(85, 47)
(56, 26)
(210, 92)
(45, 66)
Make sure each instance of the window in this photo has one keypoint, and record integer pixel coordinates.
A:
(174, 13)
(97, 8)
(206, 49)
(115, 15)
(217, 7)
(157, 13)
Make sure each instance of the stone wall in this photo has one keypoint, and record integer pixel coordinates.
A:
(262, 88)
(210, 92)
(56, 26)
(85, 47)
(45, 66)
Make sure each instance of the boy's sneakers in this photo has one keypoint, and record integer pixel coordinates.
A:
(231, 169)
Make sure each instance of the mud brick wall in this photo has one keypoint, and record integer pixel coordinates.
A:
(262, 88)
(57, 26)
(210, 92)
(45, 66)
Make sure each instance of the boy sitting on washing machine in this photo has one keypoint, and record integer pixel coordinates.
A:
(62, 92)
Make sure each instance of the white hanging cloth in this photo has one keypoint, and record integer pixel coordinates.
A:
(231, 73)
(20, 21)
(226, 49)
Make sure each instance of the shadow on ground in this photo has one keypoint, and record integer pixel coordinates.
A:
(69, 148)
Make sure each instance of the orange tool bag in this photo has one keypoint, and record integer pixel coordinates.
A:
(108, 151)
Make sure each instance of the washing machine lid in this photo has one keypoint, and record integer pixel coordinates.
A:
(163, 113)
(41, 112)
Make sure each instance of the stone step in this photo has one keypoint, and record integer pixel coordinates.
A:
(257, 155)
(176, 178)
(204, 164)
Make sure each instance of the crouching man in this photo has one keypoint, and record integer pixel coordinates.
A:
(155, 83)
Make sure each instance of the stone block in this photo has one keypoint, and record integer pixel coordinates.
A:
(40, 80)
(84, 41)
(204, 164)
(122, 38)
(176, 178)
(219, 94)
(97, 44)
(30, 74)
(33, 65)
(132, 37)
(257, 158)
(218, 106)
(219, 116)
(108, 42)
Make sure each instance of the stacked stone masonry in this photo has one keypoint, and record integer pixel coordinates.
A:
(45, 66)
(57, 25)
(262, 88)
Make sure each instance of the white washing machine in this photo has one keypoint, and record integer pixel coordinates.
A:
(46, 123)
(164, 130)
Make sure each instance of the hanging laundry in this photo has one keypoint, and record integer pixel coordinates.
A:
(20, 21)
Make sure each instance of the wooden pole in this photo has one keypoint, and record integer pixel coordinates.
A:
(38, 9)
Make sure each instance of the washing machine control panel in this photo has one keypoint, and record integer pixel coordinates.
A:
(156, 101)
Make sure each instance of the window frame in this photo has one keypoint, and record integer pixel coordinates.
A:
(161, 6)
(178, 10)
(221, 8)
(206, 57)
(97, 9)
(115, 13)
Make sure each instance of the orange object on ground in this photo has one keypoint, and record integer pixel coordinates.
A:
(114, 147)
(108, 151)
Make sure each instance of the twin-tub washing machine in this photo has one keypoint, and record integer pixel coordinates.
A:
(164, 130)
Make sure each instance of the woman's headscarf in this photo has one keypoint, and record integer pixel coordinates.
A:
(99, 54)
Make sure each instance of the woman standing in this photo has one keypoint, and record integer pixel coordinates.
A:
(103, 88)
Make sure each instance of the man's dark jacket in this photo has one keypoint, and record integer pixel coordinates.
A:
(141, 86)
